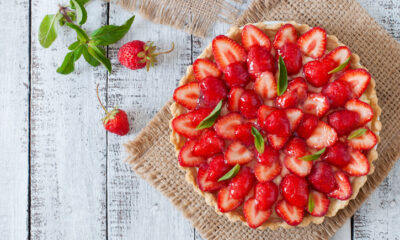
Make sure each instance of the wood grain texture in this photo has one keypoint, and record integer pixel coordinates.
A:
(14, 134)
(135, 209)
(68, 145)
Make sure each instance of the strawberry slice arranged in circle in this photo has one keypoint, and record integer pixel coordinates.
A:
(363, 109)
(286, 33)
(225, 202)
(204, 183)
(322, 136)
(186, 157)
(186, 124)
(339, 55)
(254, 216)
(188, 95)
(237, 153)
(344, 190)
(227, 51)
(225, 126)
(233, 98)
(316, 104)
(358, 79)
(265, 173)
(299, 167)
(203, 68)
(364, 142)
(321, 204)
(359, 164)
(291, 214)
(313, 42)
(253, 36)
(265, 86)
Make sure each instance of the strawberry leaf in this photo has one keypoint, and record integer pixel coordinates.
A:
(314, 156)
(110, 34)
(340, 67)
(357, 133)
(210, 119)
(258, 140)
(311, 203)
(232, 173)
(283, 79)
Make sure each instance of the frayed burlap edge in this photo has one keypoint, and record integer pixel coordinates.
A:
(274, 223)
(195, 16)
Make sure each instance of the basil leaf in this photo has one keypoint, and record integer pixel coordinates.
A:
(210, 119)
(99, 56)
(74, 45)
(283, 79)
(340, 67)
(82, 2)
(357, 133)
(68, 64)
(89, 58)
(232, 173)
(258, 140)
(314, 156)
(48, 29)
(110, 34)
(311, 203)
(81, 14)
(78, 52)
(82, 36)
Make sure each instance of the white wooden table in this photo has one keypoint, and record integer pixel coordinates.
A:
(62, 175)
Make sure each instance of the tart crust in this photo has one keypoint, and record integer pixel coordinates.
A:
(274, 221)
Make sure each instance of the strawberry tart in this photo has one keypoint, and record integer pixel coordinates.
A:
(276, 125)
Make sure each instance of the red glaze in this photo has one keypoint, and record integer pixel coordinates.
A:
(344, 121)
(322, 178)
(338, 93)
(213, 90)
(292, 57)
(266, 195)
(236, 75)
(294, 190)
(337, 155)
(249, 103)
(259, 60)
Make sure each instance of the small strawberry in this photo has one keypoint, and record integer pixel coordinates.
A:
(249, 103)
(316, 104)
(338, 93)
(186, 157)
(268, 157)
(266, 195)
(321, 204)
(363, 109)
(237, 153)
(227, 51)
(213, 90)
(322, 178)
(337, 155)
(188, 95)
(316, 73)
(236, 75)
(204, 183)
(359, 164)
(265, 85)
(265, 173)
(243, 134)
(208, 145)
(115, 121)
(254, 216)
(253, 36)
(286, 33)
(358, 80)
(313, 42)
(291, 214)
(307, 125)
(225, 126)
(203, 68)
(364, 142)
(294, 190)
(242, 183)
(259, 60)
(322, 136)
(138, 54)
(291, 55)
(344, 121)
(233, 98)
(217, 167)
(299, 167)
(225, 202)
(344, 190)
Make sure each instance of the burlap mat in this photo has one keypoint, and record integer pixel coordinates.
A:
(152, 157)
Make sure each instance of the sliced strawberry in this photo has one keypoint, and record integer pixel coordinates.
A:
(265, 86)
(236, 75)
(233, 98)
(339, 55)
(286, 33)
(295, 94)
(266, 195)
(203, 68)
(217, 168)
(186, 157)
(259, 60)
(188, 95)
(313, 42)
(254, 216)
(316, 73)
(338, 93)
(307, 125)
(321, 204)
(296, 147)
(316, 104)
(226, 126)
(276, 141)
(344, 121)
(364, 142)
(292, 58)
(363, 109)
(204, 183)
(294, 116)
(237, 153)
(209, 144)
(262, 113)
(358, 80)
(242, 183)
(265, 173)
(227, 51)
(268, 157)
(225, 202)
(186, 124)
(213, 91)
(322, 136)
(277, 123)
(249, 103)
(292, 215)
(359, 164)
(322, 178)
(337, 155)
(243, 134)
(253, 36)
(294, 190)
(344, 190)
(299, 167)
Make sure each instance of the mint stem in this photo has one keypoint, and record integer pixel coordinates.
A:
(63, 11)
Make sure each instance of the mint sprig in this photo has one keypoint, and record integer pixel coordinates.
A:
(283, 78)
(357, 133)
(311, 203)
(210, 119)
(88, 45)
(340, 67)
(258, 140)
(232, 173)
(314, 156)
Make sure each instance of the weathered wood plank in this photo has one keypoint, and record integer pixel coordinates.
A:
(68, 144)
(14, 102)
(135, 209)
(378, 218)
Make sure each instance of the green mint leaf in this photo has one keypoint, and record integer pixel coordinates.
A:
(82, 2)
(283, 79)
(232, 173)
(74, 45)
(100, 56)
(311, 203)
(314, 156)
(48, 29)
(110, 34)
(82, 36)
(357, 133)
(78, 52)
(81, 14)
(210, 119)
(68, 64)
(258, 140)
(89, 58)
(340, 67)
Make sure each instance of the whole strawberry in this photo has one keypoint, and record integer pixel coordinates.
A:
(115, 121)
(138, 54)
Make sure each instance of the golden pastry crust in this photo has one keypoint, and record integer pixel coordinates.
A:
(274, 221)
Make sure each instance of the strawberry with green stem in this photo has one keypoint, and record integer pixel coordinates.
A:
(116, 120)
